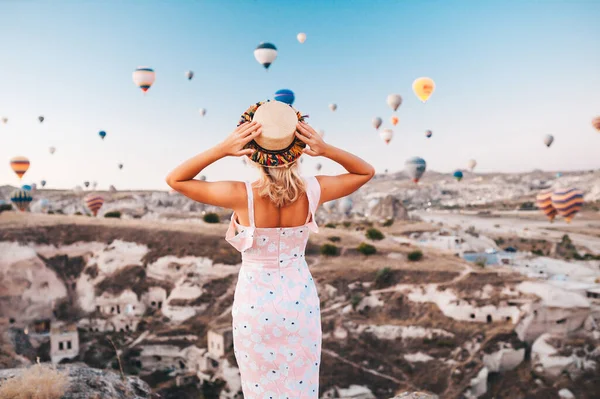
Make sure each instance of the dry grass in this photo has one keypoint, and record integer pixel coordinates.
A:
(37, 382)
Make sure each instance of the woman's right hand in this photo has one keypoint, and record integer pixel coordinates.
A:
(316, 145)
(234, 143)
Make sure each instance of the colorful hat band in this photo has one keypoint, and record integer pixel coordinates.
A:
(273, 158)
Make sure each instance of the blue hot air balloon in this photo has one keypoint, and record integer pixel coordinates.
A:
(265, 54)
(285, 96)
(458, 175)
(26, 187)
(102, 134)
(21, 198)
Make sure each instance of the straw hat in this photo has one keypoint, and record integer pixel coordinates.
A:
(277, 146)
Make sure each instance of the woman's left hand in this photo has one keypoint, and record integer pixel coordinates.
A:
(314, 140)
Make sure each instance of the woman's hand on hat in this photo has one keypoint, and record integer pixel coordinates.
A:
(234, 144)
(316, 145)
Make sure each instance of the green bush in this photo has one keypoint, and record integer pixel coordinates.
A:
(415, 255)
(211, 218)
(334, 239)
(388, 223)
(374, 234)
(60, 212)
(5, 207)
(113, 214)
(78, 213)
(481, 262)
(366, 249)
(50, 212)
(347, 224)
(330, 225)
(355, 300)
(329, 250)
(499, 241)
(383, 276)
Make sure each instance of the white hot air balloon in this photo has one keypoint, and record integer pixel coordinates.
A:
(202, 111)
(301, 37)
(144, 78)
(377, 122)
(548, 140)
(333, 107)
(386, 135)
(52, 150)
(415, 167)
(189, 75)
(394, 101)
(265, 54)
(471, 164)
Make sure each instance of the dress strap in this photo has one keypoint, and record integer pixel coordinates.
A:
(250, 203)
(313, 192)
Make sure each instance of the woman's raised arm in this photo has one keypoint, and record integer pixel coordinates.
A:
(226, 194)
(334, 187)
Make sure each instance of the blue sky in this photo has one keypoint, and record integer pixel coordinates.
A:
(507, 73)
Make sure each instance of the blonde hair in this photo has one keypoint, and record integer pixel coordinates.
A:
(282, 185)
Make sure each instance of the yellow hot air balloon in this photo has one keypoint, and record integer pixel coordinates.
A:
(423, 88)
(19, 165)
(394, 120)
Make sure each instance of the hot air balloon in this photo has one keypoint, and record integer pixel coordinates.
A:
(428, 133)
(102, 134)
(203, 178)
(26, 187)
(301, 37)
(86, 184)
(94, 185)
(33, 187)
(333, 107)
(285, 96)
(595, 123)
(189, 75)
(78, 190)
(415, 167)
(394, 119)
(120, 166)
(5, 120)
(318, 167)
(41, 118)
(202, 111)
(471, 164)
(94, 202)
(458, 175)
(44, 205)
(321, 133)
(330, 206)
(43, 183)
(423, 88)
(386, 135)
(21, 198)
(345, 205)
(376, 122)
(19, 165)
(548, 140)
(544, 202)
(144, 77)
(567, 202)
(52, 150)
(394, 101)
(265, 54)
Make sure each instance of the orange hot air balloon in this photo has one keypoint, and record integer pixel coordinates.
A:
(94, 203)
(544, 202)
(423, 88)
(19, 165)
(394, 120)
(596, 123)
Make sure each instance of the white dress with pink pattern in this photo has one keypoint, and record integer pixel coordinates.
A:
(276, 313)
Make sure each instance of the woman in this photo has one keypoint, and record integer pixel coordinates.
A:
(276, 315)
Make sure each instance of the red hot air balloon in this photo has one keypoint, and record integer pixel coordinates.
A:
(94, 203)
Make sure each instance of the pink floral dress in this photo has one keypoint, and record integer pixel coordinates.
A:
(276, 313)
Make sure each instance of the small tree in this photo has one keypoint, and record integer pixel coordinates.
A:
(415, 256)
(330, 225)
(211, 218)
(366, 249)
(329, 250)
(113, 214)
(347, 224)
(5, 207)
(374, 234)
(388, 222)
(355, 300)
(334, 239)
(383, 277)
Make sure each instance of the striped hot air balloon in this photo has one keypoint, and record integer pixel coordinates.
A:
(567, 202)
(21, 198)
(144, 77)
(544, 202)
(19, 165)
(94, 202)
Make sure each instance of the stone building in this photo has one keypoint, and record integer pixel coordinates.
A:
(64, 342)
